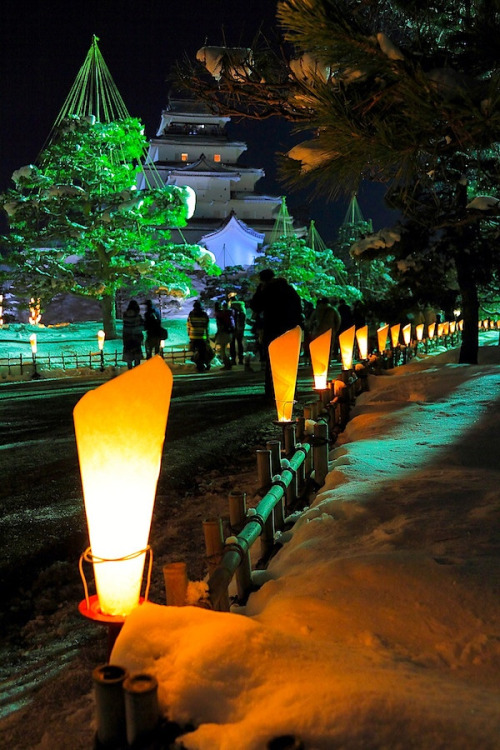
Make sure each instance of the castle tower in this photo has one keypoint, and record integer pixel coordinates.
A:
(192, 148)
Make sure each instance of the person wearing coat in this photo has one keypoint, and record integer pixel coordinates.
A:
(280, 308)
(197, 324)
(153, 328)
(133, 326)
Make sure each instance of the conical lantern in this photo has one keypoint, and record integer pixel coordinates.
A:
(319, 349)
(120, 429)
(419, 331)
(346, 343)
(407, 334)
(362, 339)
(395, 335)
(382, 334)
(284, 353)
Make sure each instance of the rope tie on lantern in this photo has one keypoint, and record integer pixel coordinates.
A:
(87, 556)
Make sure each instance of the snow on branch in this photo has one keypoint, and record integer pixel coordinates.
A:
(382, 239)
(483, 203)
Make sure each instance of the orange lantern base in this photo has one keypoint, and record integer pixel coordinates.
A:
(90, 609)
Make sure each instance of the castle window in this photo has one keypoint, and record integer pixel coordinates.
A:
(184, 157)
(216, 157)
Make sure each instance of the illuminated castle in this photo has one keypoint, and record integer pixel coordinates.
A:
(192, 148)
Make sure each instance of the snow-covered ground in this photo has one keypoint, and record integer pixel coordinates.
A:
(78, 343)
(378, 624)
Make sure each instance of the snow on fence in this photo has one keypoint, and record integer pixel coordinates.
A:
(286, 478)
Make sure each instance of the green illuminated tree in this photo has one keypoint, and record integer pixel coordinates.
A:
(78, 224)
(404, 93)
(314, 274)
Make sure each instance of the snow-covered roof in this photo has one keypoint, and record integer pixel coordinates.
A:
(231, 224)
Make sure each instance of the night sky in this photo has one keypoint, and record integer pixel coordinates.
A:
(44, 44)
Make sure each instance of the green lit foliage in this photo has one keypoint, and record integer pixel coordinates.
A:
(314, 274)
(232, 279)
(404, 93)
(78, 224)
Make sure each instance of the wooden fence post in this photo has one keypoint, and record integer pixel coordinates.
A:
(175, 577)
(214, 546)
(320, 451)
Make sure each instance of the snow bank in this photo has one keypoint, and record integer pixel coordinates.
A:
(378, 622)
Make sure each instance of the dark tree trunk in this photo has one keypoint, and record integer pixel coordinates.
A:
(108, 309)
(470, 309)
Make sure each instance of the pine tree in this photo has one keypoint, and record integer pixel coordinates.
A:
(314, 274)
(78, 224)
(404, 93)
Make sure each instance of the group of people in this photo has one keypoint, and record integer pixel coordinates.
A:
(276, 308)
(134, 328)
(230, 320)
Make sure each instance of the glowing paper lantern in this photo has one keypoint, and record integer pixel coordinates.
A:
(33, 343)
(395, 335)
(100, 340)
(382, 334)
(407, 334)
(362, 339)
(440, 329)
(120, 429)
(346, 343)
(452, 326)
(431, 330)
(284, 353)
(319, 349)
(419, 331)
(446, 328)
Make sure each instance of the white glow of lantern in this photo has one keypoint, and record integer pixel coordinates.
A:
(100, 340)
(346, 343)
(382, 334)
(284, 353)
(395, 335)
(319, 349)
(120, 429)
(431, 329)
(419, 331)
(362, 339)
(452, 326)
(407, 334)
(456, 313)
